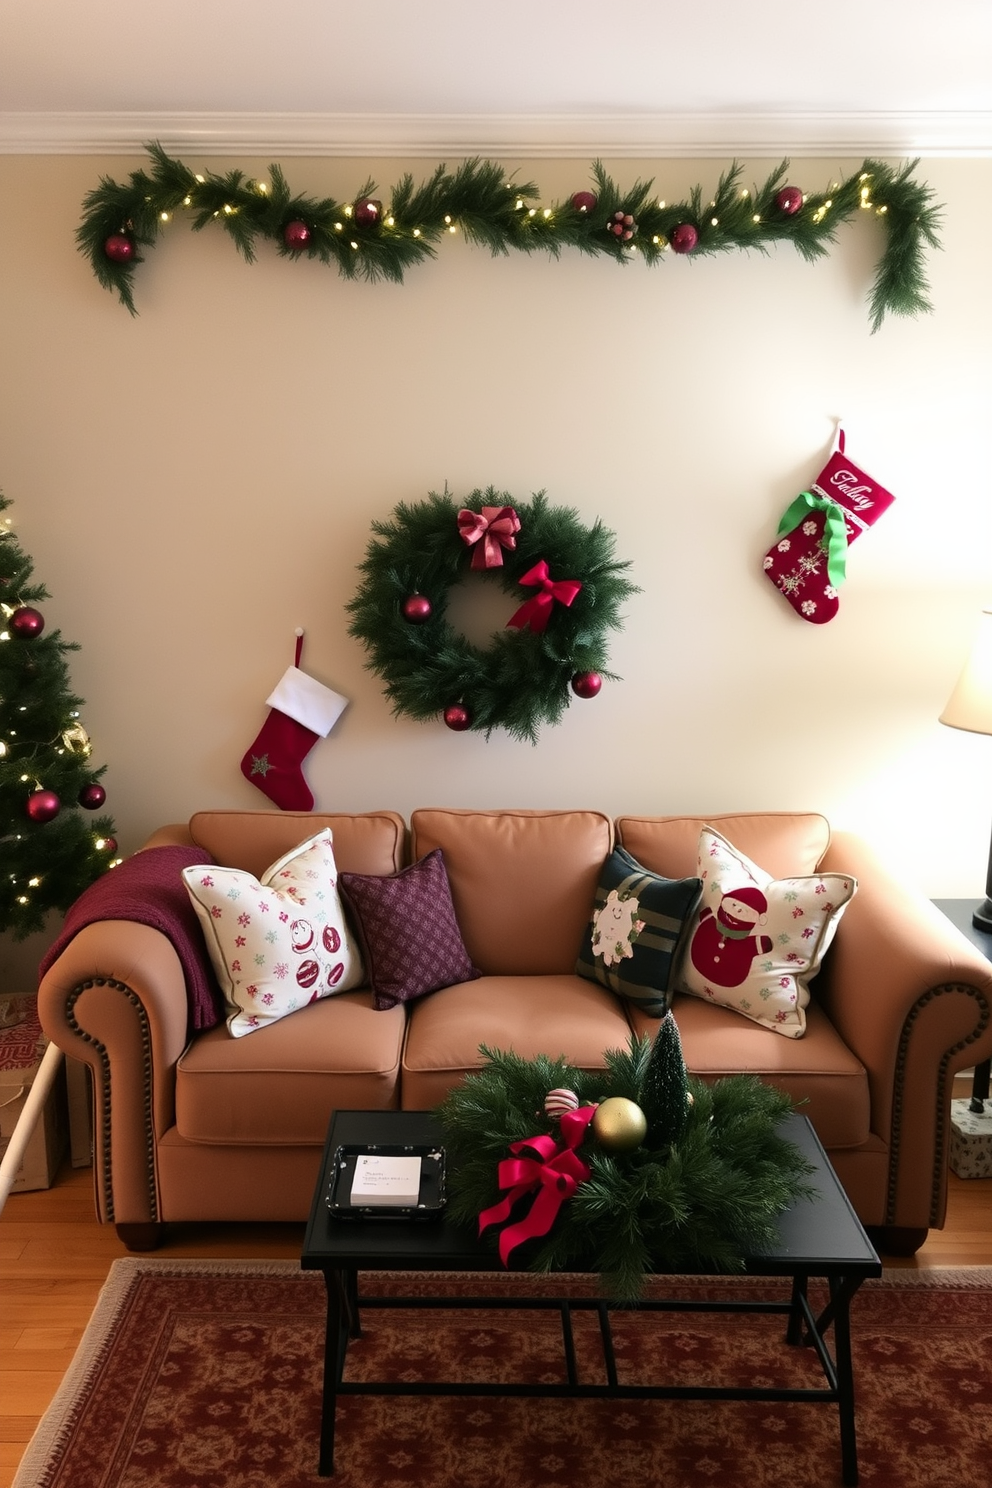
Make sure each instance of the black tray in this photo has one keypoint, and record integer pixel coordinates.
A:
(430, 1203)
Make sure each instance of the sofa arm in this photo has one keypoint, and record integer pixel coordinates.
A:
(116, 999)
(912, 998)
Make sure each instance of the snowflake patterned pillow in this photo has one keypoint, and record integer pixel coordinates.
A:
(756, 941)
(278, 943)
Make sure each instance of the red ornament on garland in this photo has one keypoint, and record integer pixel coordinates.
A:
(586, 684)
(622, 226)
(368, 213)
(119, 248)
(584, 202)
(417, 608)
(27, 623)
(789, 200)
(92, 796)
(296, 236)
(685, 238)
(43, 806)
(457, 718)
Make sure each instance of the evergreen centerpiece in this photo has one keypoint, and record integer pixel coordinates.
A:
(52, 849)
(700, 1191)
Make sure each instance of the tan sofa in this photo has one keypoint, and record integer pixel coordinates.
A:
(218, 1128)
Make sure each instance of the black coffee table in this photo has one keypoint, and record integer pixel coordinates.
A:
(820, 1238)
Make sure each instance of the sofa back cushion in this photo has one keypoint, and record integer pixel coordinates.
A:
(787, 844)
(522, 882)
(364, 842)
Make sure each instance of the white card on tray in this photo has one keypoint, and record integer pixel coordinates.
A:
(385, 1180)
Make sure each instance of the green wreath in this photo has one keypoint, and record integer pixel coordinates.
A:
(565, 574)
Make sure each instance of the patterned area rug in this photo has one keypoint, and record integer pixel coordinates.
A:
(207, 1374)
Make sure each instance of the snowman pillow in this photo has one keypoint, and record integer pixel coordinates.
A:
(279, 942)
(756, 941)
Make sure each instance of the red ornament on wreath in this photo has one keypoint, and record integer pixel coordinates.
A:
(368, 213)
(296, 236)
(27, 623)
(119, 248)
(417, 608)
(789, 200)
(457, 718)
(685, 238)
(92, 796)
(43, 806)
(584, 202)
(586, 684)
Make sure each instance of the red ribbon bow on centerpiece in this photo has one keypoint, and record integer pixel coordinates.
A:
(496, 526)
(552, 1175)
(537, 611)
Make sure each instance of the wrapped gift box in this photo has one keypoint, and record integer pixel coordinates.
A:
(22, 1045)
(971, 1140)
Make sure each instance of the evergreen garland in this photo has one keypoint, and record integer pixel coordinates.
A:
(371, 239)
(522, 680)
(43, 746)
(702, 1192)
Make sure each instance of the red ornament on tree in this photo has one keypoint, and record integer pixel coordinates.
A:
(108, 844)
(457, 717)
(789, 200)
(296, 236)
(43, 806)
(586, 684)
(417, 608)
(92, 796)
(27, 623)
(685, 238)
(119, 248)
(368, 213)
(584, 202)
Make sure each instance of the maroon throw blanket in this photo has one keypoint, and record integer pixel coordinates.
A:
(149, 889)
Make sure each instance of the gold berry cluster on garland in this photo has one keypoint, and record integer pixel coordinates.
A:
(380, 237)
(569, 588)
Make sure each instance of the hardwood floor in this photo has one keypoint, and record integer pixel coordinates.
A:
(54, 1258)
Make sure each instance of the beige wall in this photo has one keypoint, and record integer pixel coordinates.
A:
(195, 483)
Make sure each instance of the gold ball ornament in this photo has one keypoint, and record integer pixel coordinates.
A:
(619, 1124)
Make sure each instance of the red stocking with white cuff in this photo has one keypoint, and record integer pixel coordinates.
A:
(303, 711)
(807, 561)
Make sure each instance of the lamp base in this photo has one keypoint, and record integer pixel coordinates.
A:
(982, 917)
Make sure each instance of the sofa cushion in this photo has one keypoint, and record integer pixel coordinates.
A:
(757, 940)
(521, 881)
(785, 843)
(827, 1082)
(279, 1087)
(364, 842)
(554, 1014)
(635, 933)
(279, 942)
(407, 927)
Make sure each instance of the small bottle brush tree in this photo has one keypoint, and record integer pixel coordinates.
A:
(52, 847)
(665, 1096)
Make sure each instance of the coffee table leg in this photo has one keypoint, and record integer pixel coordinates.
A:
(340, 1285)
(841, 1293)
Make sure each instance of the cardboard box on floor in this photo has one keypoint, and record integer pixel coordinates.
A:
(22, 1045)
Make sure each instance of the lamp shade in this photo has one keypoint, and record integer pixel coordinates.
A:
(970, 704)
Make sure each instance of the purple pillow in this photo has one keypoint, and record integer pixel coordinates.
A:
(406, 924)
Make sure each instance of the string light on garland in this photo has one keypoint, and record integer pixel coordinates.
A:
(564, 576)
(494, 212)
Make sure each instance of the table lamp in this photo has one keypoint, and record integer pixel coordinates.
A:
(970, 707)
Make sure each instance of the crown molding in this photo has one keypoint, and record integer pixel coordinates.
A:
(772, 134)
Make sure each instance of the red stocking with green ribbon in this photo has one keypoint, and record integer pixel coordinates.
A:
(807, 562)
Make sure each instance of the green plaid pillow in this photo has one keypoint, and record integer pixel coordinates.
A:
(638, 924)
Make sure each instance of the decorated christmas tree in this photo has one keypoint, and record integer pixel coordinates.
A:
(51, 849)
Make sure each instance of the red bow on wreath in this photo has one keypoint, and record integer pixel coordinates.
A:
(552, 1175)
(537, 611)
(496, 526)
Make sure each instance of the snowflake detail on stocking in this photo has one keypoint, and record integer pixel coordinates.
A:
(260, 765)
(809, 528)
(784, 545)
(808, 564)
(790, 583)
(808, 607)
